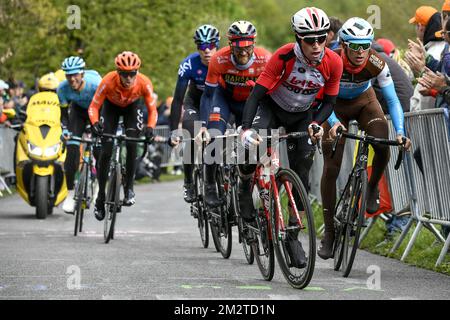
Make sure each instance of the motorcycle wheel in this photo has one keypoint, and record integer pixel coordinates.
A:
(41, 195)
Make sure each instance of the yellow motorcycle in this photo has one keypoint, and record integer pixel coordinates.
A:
(40, 155)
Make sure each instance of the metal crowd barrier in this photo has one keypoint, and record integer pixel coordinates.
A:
(426, 196)
(169, 156)
(428, 130)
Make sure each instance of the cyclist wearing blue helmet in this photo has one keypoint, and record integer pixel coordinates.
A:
(75, 95)
(189, 89)
(357, 100)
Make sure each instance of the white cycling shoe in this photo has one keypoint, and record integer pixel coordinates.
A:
(69, 203)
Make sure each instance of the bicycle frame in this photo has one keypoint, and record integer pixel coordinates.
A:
(264, 180)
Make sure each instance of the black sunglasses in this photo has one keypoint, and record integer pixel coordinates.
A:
(313, 39)
(128, 74)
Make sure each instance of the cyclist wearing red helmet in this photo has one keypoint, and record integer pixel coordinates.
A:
(119, 94)
(227, 88)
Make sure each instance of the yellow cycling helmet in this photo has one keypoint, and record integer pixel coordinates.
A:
(48, 82)
(60, 75)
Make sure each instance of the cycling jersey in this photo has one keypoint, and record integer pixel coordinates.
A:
(357, 80)
(191, 77)
(294, 84)
(81, 98)
(232, 77)
(111, 89)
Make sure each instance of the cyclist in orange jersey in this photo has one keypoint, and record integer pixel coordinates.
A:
(119, 94)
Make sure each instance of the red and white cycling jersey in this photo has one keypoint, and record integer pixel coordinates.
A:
(294, 84)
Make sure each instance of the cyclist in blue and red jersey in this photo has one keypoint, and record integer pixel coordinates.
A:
(357, 100)
(188, 92)
(227, 87)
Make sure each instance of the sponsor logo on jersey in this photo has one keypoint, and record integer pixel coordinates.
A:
(237, 80)
(184, 67)
(377, 62)
(222, 59)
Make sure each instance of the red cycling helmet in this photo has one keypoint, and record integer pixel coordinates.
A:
(128, 61)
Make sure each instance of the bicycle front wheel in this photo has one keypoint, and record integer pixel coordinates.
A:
(354, 221)
(79, 200)
(221, 222)
(262, 247)
(112, 203)
(199, 210)
(293, 230)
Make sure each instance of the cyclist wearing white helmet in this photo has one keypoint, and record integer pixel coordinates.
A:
(357, 100)
(75, 95)
(285, 94)
(191, 78)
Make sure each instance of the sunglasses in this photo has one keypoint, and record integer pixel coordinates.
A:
(128, 74)
(247, 49)
(204, 46)
(358, 46)
(313, 39)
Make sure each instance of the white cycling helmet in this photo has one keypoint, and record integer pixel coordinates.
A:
(310, 20)
(356, 30)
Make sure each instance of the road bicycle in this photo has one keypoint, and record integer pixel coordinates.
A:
(84, 189)
(116, 179)
(351, 206)
(284, 218)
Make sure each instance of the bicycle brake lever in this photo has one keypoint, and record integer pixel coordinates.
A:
(400, 154)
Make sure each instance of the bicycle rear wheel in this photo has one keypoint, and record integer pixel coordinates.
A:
(79, 200)
(200, 211)
(291, 235)
(112, 203)
(354, 221)
(262, 247)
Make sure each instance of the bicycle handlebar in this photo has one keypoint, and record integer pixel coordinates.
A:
(123, 137)
(372, 140)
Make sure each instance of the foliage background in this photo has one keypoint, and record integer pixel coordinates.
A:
(34, 38)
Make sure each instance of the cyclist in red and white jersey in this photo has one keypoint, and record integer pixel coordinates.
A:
(285, 93)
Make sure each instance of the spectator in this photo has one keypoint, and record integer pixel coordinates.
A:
(427, 21)
(403, 86)
(445, 13)
(164, 112)
(390, 50)
(4, 94)
(332, 38)
(16, 92)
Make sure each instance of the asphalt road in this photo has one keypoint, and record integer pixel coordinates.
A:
(157, 254)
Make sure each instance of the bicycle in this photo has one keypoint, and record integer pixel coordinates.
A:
(351, 207)
(84, 189)
(116, 175)
(284, 214)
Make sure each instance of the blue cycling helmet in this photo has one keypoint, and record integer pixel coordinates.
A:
(356, 30)
(73, 65)
(206, 34)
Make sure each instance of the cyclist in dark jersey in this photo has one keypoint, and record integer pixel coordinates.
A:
(188, 92)
(227, 88)
(357, 100)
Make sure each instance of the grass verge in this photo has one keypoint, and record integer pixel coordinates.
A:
(424, 253)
